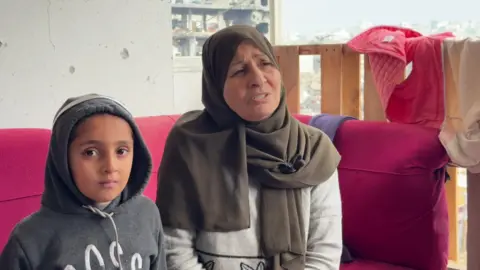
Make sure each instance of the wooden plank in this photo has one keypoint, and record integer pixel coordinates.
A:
(289, 62)
(313, 49)
(331, 79)
(473, 223)
(372, 107)
(451, 195)
(351, 84)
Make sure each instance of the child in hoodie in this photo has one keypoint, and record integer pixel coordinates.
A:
(93, 215)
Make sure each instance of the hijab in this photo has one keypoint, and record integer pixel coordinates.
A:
(210, 154)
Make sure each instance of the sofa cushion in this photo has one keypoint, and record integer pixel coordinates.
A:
(369, 265)
(392, 184)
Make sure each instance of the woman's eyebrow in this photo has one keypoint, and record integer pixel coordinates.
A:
(236, 62)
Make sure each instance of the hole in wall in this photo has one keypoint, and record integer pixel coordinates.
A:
(124, 53)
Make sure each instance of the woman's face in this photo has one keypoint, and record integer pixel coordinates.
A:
(253, 85)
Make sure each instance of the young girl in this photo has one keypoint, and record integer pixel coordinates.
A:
(92, 215)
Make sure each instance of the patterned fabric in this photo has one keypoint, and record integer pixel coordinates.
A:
(419, 99)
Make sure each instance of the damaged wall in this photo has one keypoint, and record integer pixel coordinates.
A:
(54, 49)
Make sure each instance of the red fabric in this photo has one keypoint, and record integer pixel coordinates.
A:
(23, 155)
(392, 185)
(419, 99)
(155, 130)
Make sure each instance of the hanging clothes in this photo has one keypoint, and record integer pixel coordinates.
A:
(419, 99)
(461, 139)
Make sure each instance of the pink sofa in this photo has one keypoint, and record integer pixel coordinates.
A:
(391, 178)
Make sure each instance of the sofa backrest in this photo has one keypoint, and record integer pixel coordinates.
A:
(23, 154)
(155, 130)
(397, 215)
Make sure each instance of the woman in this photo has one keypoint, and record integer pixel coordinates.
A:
(242, 184)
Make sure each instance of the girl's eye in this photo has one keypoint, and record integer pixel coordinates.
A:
(122, 151)
(90, 153)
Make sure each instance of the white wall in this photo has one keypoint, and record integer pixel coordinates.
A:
(54, 49)
(187, 80)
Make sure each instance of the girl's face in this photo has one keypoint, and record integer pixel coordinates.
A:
(101, 157)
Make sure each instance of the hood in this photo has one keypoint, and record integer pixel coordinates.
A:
(61, 194)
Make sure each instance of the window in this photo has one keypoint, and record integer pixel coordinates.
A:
(193, 21)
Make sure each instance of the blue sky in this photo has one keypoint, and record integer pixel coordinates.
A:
(310, 16)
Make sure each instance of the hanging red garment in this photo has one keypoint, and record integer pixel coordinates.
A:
(419, 99)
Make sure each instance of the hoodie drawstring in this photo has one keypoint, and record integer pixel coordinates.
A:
(110, 217)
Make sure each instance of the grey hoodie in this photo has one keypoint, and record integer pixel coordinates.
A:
(68, 232)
